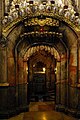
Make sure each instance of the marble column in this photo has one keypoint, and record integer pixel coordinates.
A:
(3, 58)
(78, 86)
(73, 73)
(3, 81)
(63, 82)
(58, 79)
(79, 61)
(3, 67)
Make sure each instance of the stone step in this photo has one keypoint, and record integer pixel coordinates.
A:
(41, 106)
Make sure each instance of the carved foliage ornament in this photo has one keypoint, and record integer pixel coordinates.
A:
(42, 22)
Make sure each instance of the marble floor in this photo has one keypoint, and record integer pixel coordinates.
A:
(47, 115)
(42, 111)
(42, 106)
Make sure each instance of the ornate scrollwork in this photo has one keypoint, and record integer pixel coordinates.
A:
(42, 22)
(45, 33)
(24, 9)
(27, 9)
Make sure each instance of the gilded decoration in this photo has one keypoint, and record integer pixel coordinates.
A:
(37, 33)
(34, 49)
(42, 22)
(26, 10)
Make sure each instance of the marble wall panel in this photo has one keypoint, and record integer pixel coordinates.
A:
(11, 72)
(79, 64)
(3, 65)
(73, 97)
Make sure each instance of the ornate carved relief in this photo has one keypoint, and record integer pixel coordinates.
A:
(42, 22)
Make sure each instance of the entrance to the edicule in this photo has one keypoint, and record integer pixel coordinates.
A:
(40, 54)
(42, 75)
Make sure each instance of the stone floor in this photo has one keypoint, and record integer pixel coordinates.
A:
(42, 111)
(47, 115)
(42, 106)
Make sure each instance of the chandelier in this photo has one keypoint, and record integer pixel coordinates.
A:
(23, 8)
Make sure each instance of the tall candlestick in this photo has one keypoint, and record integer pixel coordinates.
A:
(63, 1)
(76, 2)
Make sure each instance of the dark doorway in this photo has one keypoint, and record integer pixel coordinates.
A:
(41, 80)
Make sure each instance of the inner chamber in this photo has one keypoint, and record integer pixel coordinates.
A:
(41, 76)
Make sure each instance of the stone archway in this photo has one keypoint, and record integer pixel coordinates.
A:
(25, 53)
(64, 40)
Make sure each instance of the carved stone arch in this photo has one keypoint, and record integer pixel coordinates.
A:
(67, 72)
(60, 78)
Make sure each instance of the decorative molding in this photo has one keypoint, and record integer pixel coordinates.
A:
(34, 49)
(42, 22)
(4, 84)
(44, 33)
(50, 10)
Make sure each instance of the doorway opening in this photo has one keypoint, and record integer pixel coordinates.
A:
(41, 77)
